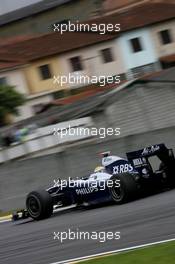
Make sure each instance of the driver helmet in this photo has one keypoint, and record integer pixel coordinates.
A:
(99, 169)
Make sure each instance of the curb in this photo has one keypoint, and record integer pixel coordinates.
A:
(110, 253)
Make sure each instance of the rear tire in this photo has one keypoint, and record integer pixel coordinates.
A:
(169, 175)
(127, 190)
(39, 204)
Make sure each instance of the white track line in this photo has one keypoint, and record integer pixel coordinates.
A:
(77, 260)
(5, 220)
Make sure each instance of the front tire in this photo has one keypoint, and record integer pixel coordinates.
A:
(39, 204)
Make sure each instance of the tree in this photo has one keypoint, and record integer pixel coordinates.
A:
(10, 99)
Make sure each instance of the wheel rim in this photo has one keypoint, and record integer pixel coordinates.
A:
(117, 193)
(33, 206)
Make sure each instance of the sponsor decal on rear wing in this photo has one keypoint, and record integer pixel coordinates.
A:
(148, 151)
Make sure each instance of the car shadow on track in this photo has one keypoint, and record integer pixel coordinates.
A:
(81, 208)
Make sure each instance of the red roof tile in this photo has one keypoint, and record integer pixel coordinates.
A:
(168, 58)
(140, 16)
(55, 43)
(90, 91)
(12, 40)
(8, 65)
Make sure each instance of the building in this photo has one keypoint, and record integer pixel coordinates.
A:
(112, 6)
(39, 17)
(163, 36)
(138, 53)
(133, 52)
(40, 63)
(147, 34)
(12, 74)
(52, 55)
(102, 60)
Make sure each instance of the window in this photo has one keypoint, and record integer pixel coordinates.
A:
(45, 72)
(136, 45)
(3, 81)
(76, 64)
(165, 37)
(107, 55)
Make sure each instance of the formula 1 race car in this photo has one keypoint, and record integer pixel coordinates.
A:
(118, 180)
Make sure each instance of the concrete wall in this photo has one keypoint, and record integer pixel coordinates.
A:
(48, 137)
(142, 107)
(17, 178)
(145, 114)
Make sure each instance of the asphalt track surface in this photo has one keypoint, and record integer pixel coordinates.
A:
(143, 221)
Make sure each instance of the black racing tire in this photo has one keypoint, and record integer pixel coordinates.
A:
(39, 204)
(128, 188)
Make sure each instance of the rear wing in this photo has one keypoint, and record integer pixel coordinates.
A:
(141, 156)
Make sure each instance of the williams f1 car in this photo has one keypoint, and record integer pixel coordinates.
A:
(118, 180)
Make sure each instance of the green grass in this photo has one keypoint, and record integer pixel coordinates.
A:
(159, 254)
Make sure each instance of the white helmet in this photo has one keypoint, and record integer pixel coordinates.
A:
(99, 169)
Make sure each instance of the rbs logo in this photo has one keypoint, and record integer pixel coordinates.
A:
(122, 168)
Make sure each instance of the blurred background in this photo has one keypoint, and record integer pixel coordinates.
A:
(142, 53)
